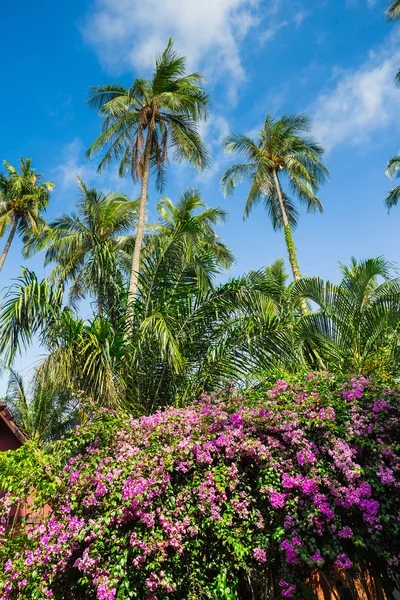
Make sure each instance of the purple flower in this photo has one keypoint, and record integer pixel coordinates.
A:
(259, 555)
(317, 558)
(8, 566)
(296, 541)
(305, 457)
(309, 486)
(276, 499)
(346, 532)
(101, 490)
(288, 590)
(343, 562)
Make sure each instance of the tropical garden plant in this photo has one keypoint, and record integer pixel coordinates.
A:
(189, 332)
(88, 247)
(44, 412)
(142, 124)
(241, 495)
(356, 324)
(282, 148)
(23, 199)
(231, 491)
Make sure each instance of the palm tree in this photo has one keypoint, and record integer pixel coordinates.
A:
(45, 415)
(193, 220)
(393, 170)
(357, 321)
(80, 354)
(141, 124)
(189, 335)
(282, 148)
(22, 200)
(87, 246)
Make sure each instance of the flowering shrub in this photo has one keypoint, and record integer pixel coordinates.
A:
(235, 491)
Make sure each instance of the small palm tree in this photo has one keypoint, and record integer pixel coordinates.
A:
(22, 200)
(87, 246)
(140, 125)
(281, 149)
(46, 413)
(357, 321)
(393, 170)
(194, 221)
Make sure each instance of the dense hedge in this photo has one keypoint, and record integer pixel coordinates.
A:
(239, 493)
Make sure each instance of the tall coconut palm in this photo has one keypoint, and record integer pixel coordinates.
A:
(281, 149)
(86, 247)
(142, 123)
(23, 197)
(393, 170)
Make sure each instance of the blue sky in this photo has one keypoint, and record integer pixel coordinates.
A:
(333, 59)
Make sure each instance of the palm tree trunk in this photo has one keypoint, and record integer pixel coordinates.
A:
(289, 241)
(8, 244)
(133, 283)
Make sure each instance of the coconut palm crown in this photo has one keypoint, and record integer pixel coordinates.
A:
(23, 197)
(87, 246)
(282, 148)
(142, 123)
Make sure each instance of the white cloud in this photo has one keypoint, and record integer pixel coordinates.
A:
(363, 101)
(127, 34)
(213, 132)
(72, 164)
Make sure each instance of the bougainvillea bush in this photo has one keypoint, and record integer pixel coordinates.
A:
(241, 495)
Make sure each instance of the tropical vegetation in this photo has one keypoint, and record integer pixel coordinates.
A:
(142, 123)
(237, 496)
(191, 434)
(282, 149)
(23, 199)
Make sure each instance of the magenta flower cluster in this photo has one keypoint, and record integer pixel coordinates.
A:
(300, 477)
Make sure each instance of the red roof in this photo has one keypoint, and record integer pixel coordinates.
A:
(7, 417)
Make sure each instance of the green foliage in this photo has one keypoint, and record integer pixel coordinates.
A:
(45, 415)
(191, 335)
(393, 11)
(23, 199)
(356, 325)
(88, 247)
(167, 106)
(141, 124)
(282, 147)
